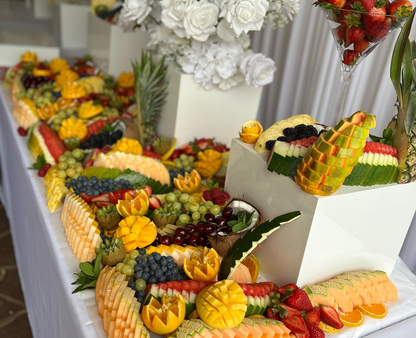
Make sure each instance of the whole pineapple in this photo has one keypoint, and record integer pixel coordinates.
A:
(403, 125)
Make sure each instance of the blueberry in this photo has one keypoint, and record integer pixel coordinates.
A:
(146, 269)
(159, 273)
(164, 268)
(172, 278)
(132, 285)
(152, 272)
(174, 271)
(167, 273)
(96, 192)
(154, 266)
(170, 259)
(157, 256)
(163, 261)
(145, 276)
(68, 185)
(138, 267)
(142, 293)
(140, 299)
(152, 280)
(93, 178)
(136, 294)
(139, 259)
(138, 274)
(142, 251)
(162, 279)
(170, 265)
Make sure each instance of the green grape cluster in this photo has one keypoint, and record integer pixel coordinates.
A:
(70, 164)
(184, 161)
(62, 115)
(110, 112)
(42, 99)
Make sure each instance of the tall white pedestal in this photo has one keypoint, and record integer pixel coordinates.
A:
(193, 112)
(70, 23)
(357, 228)
(113, 49)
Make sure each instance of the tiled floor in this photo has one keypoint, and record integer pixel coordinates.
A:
(13, 317)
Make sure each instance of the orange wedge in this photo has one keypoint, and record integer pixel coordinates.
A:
(377, 311)
(253, 266)
(353, 319)
(327, 328)
(203, 266)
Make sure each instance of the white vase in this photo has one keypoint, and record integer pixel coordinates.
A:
(112, 48)
(193, 112)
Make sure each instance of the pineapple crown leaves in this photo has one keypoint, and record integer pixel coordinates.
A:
(246, 244)
(387, 137)
(88, 276)
(402, 76)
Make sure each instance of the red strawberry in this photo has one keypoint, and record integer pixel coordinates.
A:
(101, 198)
(380, 32)
(285, 288)
(401, 8)
(41, 172)
(207, 195)
(350, 57)
(22, 132)
(315, 331)
(374, 18)
(151, 154)
(86, 198)
(368, 4)
(339, 33)
(148, 190)
(225, 195)
(271, 315)
(387, 5)
(101, 204)
(354, 34)
(336, 3)
(361, 46)
(313, 316)
(215, 193)
(154, 203)
(47, 166)
(299, 300)
(176, 153)
(285, 311)
(348, 18)
(112, 198)
(296, 324)
(220, 200)
(302, 335)
(330, 317)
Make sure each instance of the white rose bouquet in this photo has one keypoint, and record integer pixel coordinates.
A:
(208, 38)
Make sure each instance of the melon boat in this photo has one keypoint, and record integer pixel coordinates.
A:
(24, 112)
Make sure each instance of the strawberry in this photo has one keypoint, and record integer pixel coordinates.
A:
(22, 132)
(86, 198)
(339, 33)
(337, 3)
(285, 311)
(296, 324)
(148, 190)
(47, 166)
(299, 300)
(350, 57)
(176, 153)
(112, 198)
(348, 18)
(302, 335)
(270, 314)
(315, 331)
(381, 31)
(101, 198)
(154, 203)
(41, 172)
(400, 8)
(361, 46)
(330, 317)
(151, 154)
(101, 204)
(368, 4)
(285, 288)
(207, 195)
(225, 195)
(215, 193)
(220, 200)
(374, 18)
(386, 5)
(312, 316)
(354, 34)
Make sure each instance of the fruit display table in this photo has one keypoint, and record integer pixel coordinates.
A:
(47, 265)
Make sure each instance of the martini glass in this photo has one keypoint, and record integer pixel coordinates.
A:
(348, 25)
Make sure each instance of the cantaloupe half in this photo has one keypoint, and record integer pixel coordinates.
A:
(340, 295)
(350, 290)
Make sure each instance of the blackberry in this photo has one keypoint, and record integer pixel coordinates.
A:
(300, 128)
(311, 131)
(289, 132)
(282, 139)
(270, 144)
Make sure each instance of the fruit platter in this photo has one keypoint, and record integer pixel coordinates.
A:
(180, 240)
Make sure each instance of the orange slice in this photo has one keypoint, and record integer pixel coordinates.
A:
(377, 311)
(253, 266)
(203, 266)
(353, 319)
(327, 328)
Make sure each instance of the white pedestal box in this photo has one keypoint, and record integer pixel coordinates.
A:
(42, 9)
(70, 23)
(113, 49)
(193, 112)
(357, 228)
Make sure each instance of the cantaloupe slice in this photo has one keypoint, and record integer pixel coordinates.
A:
(121, 322)
(125, 302)
(241, 331)
(129, 319)
(378, 293)
(253, 328)
(350, 290)
(369, 286)
(360, 287)
(131, 325)
(99, 283)
(108, 292)
(319, 294)
(268, 332)
(278, 327)
(116, 287)
(114, 305)
(103, 290)
(341, 298)
(139, 328)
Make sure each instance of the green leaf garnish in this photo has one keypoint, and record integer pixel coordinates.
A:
(88, 276)
(40, 162)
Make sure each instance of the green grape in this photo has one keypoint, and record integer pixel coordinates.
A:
(140, 284)
(125, 260)
(177, 206)
(171, 197)
(178, 165)
(71, 161)
(187, 206)
(78, 154)
(79, 170)
(57, 121)
(209, 204)
(127, 270)
(68, 153)
(188, 168)
(215, 210)
(78, 164)
(177, 160)
(183, 157)
(185, 163)
(134, 254)
(62, 115)
(75, 177)
(191, 159)
(62, 158)
(62, 166)
(61, 174)
(145, 256)
(179, 223)
(69, 111)
(132, 262)
(203, 209)
(196, 215)
(178, 193)
(70, 172)
(119, 266)
(184, 218)
(194, 207)
(184, 198)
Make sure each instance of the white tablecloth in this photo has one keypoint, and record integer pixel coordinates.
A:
(46, 264)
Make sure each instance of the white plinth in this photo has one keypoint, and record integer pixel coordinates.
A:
(191, 111)
(41, 9)
(112, 48)
(357, 228)
(70, 23)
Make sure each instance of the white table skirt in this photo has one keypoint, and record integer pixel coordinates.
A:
(46, 264)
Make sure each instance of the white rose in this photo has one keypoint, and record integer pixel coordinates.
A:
(173, 14)
(200, 20)
(134, 11)
(258, 70)
(244, 15)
